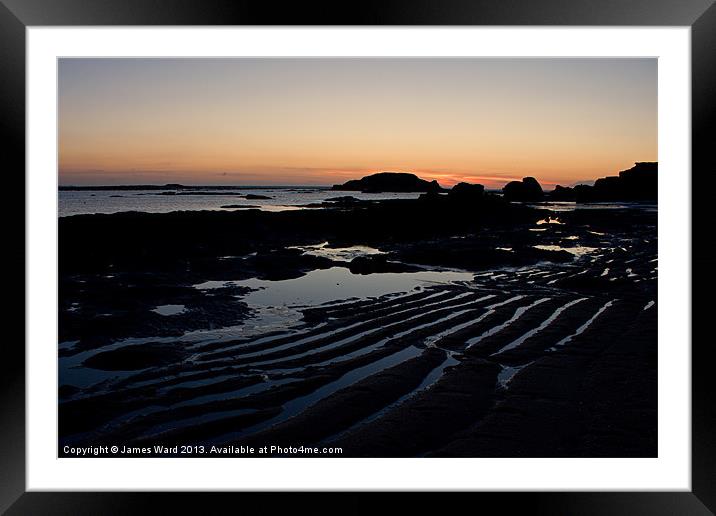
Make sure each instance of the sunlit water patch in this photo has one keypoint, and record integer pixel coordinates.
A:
(579, 250)
(341, 254)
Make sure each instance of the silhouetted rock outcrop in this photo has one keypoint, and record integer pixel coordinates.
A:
(562, 193)
(607, 189)
(526, 190)
(582, 191)
(466, 192)
(639, 183)
(389, 182)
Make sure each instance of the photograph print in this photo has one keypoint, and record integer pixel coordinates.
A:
(357, 257)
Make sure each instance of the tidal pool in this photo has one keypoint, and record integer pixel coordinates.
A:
(327, 285)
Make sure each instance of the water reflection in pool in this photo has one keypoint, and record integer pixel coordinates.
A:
(336, 283)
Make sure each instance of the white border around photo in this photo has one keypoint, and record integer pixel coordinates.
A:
(670, 470)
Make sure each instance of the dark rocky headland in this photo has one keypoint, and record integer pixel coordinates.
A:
(548, 349)
(389, 182)
(637, 184)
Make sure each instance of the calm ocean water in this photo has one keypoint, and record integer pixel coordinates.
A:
(279, 199)
(164, 201)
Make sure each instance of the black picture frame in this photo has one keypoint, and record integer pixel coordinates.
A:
(700, 15)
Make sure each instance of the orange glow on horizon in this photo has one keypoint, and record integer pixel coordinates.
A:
(305, 121)
(317, 177)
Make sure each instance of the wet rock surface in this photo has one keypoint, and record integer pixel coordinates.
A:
(135, 357)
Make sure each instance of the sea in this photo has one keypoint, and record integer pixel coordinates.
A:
(80, 202)
(277, 198)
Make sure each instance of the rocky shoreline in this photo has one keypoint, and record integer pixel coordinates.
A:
(547, 348)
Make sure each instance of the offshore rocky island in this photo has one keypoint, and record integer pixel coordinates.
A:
(461, 322)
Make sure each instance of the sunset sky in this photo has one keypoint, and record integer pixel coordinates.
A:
(320, 121)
